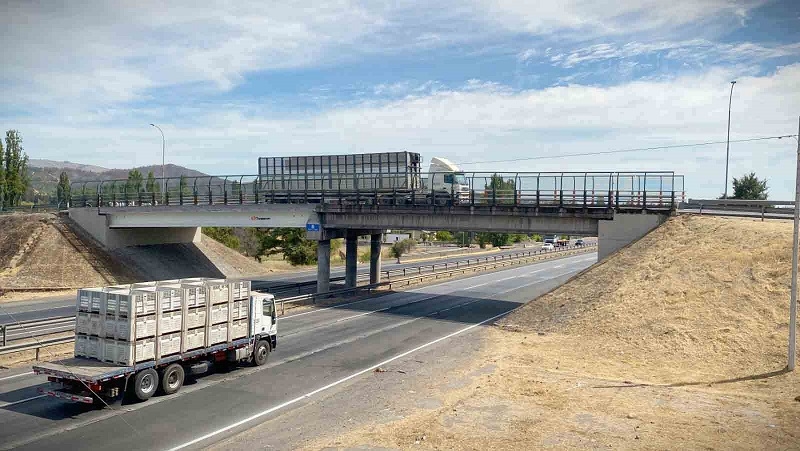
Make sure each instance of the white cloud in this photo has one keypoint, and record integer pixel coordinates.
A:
(610, 17)
(488, 122)
(692, 51)
(103, 52)
(96, 53)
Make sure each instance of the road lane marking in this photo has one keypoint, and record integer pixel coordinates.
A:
(9, 404)
(448, 282)
(332, 384)
(16, 375)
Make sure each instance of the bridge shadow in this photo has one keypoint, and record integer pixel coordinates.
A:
(168, 261)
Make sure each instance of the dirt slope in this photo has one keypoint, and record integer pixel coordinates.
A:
(698, 297)
(55, 256)
(47, 251)
(15, 230)
(677, 342)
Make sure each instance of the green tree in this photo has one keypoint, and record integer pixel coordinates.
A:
(62, 190)
(224, 235)
(134, 184)
(444, 235)
(462, 239)
(15, 169)
(501, 190)
(401, 248)
(496, 239)
(151, 186)
(518, 237)
(292, 243)
(749, 187)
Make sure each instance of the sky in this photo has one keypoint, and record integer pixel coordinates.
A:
(475, 81)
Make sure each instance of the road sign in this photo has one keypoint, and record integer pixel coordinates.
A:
(312, 227)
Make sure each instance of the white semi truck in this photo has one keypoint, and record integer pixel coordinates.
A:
(383, 177)
(140, 371)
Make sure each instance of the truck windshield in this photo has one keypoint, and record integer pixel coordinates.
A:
(461, 179)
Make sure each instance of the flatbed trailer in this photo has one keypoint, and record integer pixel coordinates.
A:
(89, 381)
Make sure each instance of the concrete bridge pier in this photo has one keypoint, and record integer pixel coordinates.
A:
(351, 259)
(375, 257)
(323, 266)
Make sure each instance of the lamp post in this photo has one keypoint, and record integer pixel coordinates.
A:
(795, 239)
(163, 149)
(728, 145)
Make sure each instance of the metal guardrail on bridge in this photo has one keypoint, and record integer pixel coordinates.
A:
(741, 208)
(617, 190)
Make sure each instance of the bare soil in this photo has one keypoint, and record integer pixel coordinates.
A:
(57, 258)
(678, 341)
(15, 229)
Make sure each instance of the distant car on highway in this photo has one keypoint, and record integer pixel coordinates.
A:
(579, 243)
(548, 247)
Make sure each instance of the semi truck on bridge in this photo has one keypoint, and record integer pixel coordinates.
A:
(397, 176)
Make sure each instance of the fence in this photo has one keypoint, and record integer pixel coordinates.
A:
(621, 190)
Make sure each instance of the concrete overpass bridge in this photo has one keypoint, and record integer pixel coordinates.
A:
(617, 207)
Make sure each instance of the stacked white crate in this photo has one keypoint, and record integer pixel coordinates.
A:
(127, 324)
(170, 317)
(219, 300)
(195, 312)
(238, 310)
(88, 324)
(130, 324)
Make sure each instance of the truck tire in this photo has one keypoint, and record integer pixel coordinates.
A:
(145, 384)
(261, 353)
(172, 379)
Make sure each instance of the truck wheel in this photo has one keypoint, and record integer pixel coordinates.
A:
(260, 353)
(172, 379)
(145, 384)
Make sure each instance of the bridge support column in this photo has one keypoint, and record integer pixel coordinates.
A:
(351, 259)
(323, 266)
(375, 258)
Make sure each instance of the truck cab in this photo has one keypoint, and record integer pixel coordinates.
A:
(264, 317)
(445, 177)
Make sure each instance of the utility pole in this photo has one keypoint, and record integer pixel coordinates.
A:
(728, 145)
(163, 149)
(793, 301)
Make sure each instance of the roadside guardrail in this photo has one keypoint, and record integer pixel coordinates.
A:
(394, 278)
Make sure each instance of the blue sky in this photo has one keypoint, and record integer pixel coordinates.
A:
(469, 80)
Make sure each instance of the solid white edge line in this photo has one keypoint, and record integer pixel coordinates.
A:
(331, 385)
(9, 404)
(16, 375)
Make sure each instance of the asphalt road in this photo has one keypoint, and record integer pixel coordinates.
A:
(319, 352)
(55, 306)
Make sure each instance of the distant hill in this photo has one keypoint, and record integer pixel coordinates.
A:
(44, 175)
(65, 165)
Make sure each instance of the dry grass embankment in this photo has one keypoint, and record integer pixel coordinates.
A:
(678, 341)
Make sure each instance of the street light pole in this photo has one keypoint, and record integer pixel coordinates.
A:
(728, 145)
(796, 237)
(163, 150)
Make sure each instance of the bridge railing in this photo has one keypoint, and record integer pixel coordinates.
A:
(618, 190)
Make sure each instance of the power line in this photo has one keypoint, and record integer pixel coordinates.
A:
(638, 149)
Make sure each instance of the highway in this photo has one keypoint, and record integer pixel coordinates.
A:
(319, 352)
(55, 306)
